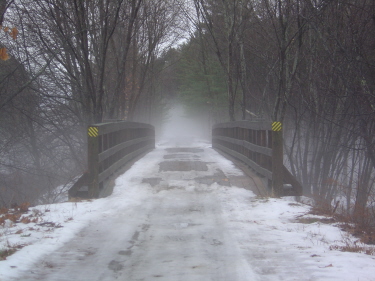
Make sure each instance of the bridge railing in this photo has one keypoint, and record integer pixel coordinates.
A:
(260, 146)
(110, 147)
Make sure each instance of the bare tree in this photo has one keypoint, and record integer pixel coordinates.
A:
(228, 46)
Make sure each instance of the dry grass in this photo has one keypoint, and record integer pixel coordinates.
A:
(10, 250)
(19, 214)
(361, 226)
(365, 234)
(308, 220)
(354, 247)
(16, 214)
(6, 253)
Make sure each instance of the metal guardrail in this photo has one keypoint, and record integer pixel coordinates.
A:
(260, 146)
(110, 147)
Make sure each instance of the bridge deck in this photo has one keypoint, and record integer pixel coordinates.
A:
(177, 225)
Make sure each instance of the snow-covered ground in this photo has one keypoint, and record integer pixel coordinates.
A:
(161, 224)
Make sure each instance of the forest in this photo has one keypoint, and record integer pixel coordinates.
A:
(309, 64)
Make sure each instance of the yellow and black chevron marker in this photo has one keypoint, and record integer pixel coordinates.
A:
(93, 132)
(276, 126)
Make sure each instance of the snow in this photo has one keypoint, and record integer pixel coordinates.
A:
(179, 229)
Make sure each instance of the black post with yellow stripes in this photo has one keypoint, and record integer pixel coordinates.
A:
(277, 159)
(93, 161)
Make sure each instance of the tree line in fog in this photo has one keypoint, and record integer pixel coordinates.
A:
(307, 63)
(74, 63)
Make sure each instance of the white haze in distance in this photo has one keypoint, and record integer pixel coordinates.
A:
(180, 127)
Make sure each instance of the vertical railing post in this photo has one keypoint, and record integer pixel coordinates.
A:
(93, 161)
(277, 159)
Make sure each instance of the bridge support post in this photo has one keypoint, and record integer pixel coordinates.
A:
(93, 161)
(277, 159)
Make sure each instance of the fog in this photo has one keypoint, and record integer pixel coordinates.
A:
(180, 127)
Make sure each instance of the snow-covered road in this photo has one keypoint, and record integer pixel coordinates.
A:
(175, 215)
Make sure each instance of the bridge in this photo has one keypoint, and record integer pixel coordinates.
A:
(257, 145)
(176, 214)
(185, 210)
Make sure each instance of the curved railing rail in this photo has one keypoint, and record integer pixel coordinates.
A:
(110, 147)
(260, 146)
